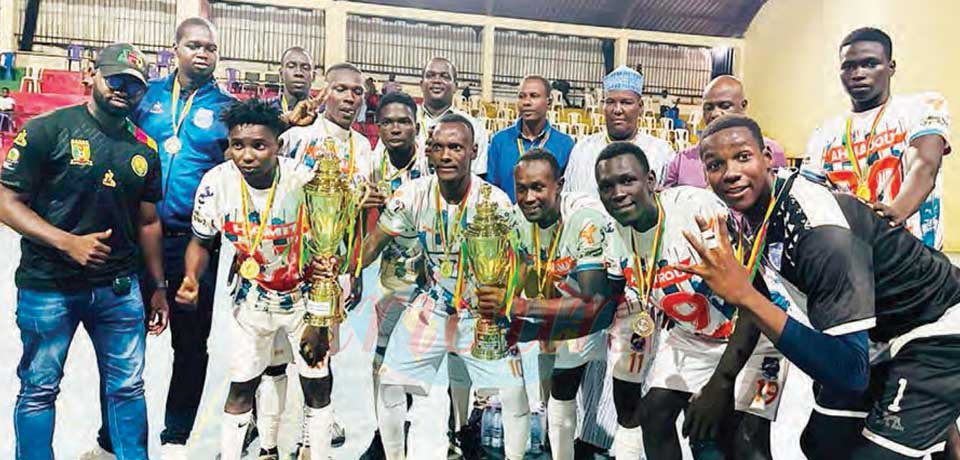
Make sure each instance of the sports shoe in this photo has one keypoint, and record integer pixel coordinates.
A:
(251, 435)
(300, 452)
(375, 449)
(272, 454)
(469, 440)
(173, 452)
(98, 453)
(337, 435)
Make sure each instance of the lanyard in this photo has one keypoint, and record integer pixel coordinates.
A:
(264, 218)
(442, 225)
(645, 274)
(179, 117)
(848, 142)
(383, 166)
(759, 240)
(521, 150)
(284, 105)
(422, 116)
(543, 273)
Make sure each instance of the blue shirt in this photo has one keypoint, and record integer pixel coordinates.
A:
(202, 138)
(503, 153)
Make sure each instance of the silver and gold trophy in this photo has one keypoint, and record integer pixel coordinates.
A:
(332, 206)
(488, 247)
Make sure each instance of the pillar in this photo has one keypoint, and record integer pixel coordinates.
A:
(620, 47)
(335, 39)
(487, 67)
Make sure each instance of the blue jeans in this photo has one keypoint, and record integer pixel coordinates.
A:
(115, 323)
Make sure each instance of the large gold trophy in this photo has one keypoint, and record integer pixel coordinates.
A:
(331, 210)
(488, 248)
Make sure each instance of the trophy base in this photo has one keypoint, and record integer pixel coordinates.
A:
(324, 303)
(489, 341)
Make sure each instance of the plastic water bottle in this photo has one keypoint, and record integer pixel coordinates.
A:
(486, 426)
(496, 427)
(535, 443)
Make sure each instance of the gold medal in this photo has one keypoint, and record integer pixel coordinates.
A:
(644, 325)
(249, 269)
(172, 145)
(446, 269)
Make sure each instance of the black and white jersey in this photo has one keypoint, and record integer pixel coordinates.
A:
(857, 272)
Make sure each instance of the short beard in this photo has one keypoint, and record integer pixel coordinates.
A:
(104, 105)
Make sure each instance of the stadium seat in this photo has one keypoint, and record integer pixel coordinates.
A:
(61, 82)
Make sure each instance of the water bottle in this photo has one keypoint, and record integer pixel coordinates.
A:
(535, 443)
(496, 427)
(486, 426)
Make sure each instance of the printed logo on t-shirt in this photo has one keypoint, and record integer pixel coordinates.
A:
(156, 108)
(139, 165)
(21, 139)
(13, 157)
(80, 152)
(203, 118)
(108, 179)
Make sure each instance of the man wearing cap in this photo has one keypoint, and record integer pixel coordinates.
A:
(622, 107)
(80, 184)
(182, 112)
(722, 96)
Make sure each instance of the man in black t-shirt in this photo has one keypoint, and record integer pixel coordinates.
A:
(861, 277)
(80, 184)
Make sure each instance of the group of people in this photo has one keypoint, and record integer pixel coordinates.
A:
(655, 282)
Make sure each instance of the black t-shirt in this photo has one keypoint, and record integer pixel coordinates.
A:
(857, 272)
(83, 181)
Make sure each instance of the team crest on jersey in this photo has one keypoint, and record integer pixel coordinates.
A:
(21, 138)
(156, 108)
(139, 165)
(80, 152)
(13, 157)
(203, 118)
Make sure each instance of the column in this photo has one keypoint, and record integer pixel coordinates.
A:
(335, 39)
(620, 47)
(8, 25)
(190, 8)
(487, 58)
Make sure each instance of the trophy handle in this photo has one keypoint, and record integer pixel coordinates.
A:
(364, 190)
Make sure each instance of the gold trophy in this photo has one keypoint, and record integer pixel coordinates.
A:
(488, 255)
(332, 207)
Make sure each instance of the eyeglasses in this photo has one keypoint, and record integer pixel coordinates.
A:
(126, 83)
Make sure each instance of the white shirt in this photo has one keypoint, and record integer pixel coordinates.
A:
(304, 143)
(7, 104)
(580, 175)
(480, 136)
(889, 157)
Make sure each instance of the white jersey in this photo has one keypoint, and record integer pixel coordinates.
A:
(412, 212)
(888, 159)
(580, 176)
(304, 143)
(684, 298)
(400, 261)
(218, 209)
(480, 135)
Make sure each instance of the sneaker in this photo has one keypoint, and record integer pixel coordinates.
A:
(375, 449)
(469, 440)
(272, 454)
(337, 435)
(251, 435)
(98, 453)
(453, 447)
(300, 452)
(173, 452)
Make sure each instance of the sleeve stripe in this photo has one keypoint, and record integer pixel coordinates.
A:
(928, 132)
(852, 326)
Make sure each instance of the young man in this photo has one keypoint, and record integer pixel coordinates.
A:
(436, 210)
(622, 107)
(296, 74)
(898, 142)
(80, 184)
(532, 130)
(569, 248)
(341, 98)
(723, 95)
(438, 84)
(236, 200)
(190, 137)
(401, 265)
(7, 106)
(864, 278)
(698, 327)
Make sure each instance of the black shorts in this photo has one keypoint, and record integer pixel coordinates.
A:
(912, 400)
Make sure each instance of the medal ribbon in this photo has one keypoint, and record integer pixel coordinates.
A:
(383, 166)
(441, 225)
(752, 264)
(284, 105)
(848, 143)
(543, 276)
(645, 275)
(521, 151)
(179, 117)
(264, 217)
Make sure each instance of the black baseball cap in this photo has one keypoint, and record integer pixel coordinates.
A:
(122, 58)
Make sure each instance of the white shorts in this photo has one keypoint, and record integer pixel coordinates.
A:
(685, 362)
(628, 353)
(425, 335)
(577, 352)
(282, 353)
(253, 342)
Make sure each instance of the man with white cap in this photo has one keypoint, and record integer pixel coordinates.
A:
(622, 107)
